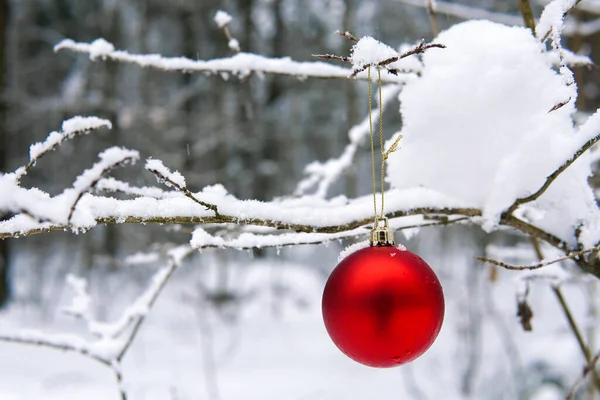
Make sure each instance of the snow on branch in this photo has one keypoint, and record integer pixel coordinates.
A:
(176, 180)
(223, 19)
(70, 128)
(241, 64)
(114, 185)
(367, 52)
(247, 240)
(110, 159)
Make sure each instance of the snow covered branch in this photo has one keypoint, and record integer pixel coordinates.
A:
(70, 128)
(241, 64)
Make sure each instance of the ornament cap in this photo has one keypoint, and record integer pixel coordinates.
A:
(381, 235)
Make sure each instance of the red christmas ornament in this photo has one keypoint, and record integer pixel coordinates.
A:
(383, 306)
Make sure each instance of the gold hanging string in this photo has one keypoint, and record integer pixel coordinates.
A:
(384, 154)
(370, 90)
(383, 157)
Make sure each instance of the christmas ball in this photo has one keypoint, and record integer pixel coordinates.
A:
(383, 306)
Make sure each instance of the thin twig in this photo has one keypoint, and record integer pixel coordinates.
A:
(331, 57)
(347, 35)
(547, 34)
(185, 191)
(527, 13)
(569, 315)
(552, 177)
(418, 49)
(57, 345)
(170, 268)
(435, 27)
(586, 371)
(93, 184)
(572, 256)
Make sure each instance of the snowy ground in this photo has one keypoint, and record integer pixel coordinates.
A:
(274, 345)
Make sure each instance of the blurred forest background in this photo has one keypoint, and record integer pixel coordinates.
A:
(253, 135)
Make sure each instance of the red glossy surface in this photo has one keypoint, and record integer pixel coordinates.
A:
(383, 307)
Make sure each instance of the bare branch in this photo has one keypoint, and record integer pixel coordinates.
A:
(331, 57)
(591, 366)
(527, 13)
(435, 27)
(347, 35)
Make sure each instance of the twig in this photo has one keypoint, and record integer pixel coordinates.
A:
(572, 256)
(569, 315)
(231, 219)
(577, 333)
(116, 368)
(175, 259)
(347, 35)
(527, 13)
(552, 177)
(185, 191)
(547, 34)
(435, 27)
(55, 139)
(92, 185)
(331, 57)
(58, 344)
(591, 366)
(418, 49)
(559, 105)
(241, 64)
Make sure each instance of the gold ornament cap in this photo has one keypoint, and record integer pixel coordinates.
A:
(381, 235)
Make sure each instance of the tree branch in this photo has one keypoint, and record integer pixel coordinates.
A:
(551, 178)
(241, 64)
(527, 13)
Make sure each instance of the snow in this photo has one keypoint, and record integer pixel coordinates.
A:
(70, 128)
(111, 184)
(369, 51)
(234, 44)
(353, 248)
(81, 302)
(552, 19)
(477, 128)
(260, 354)
(247, 240)
(222, 19)
(158, 166)
(241, 64)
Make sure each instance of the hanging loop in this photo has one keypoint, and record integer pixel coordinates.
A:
(381, 235)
